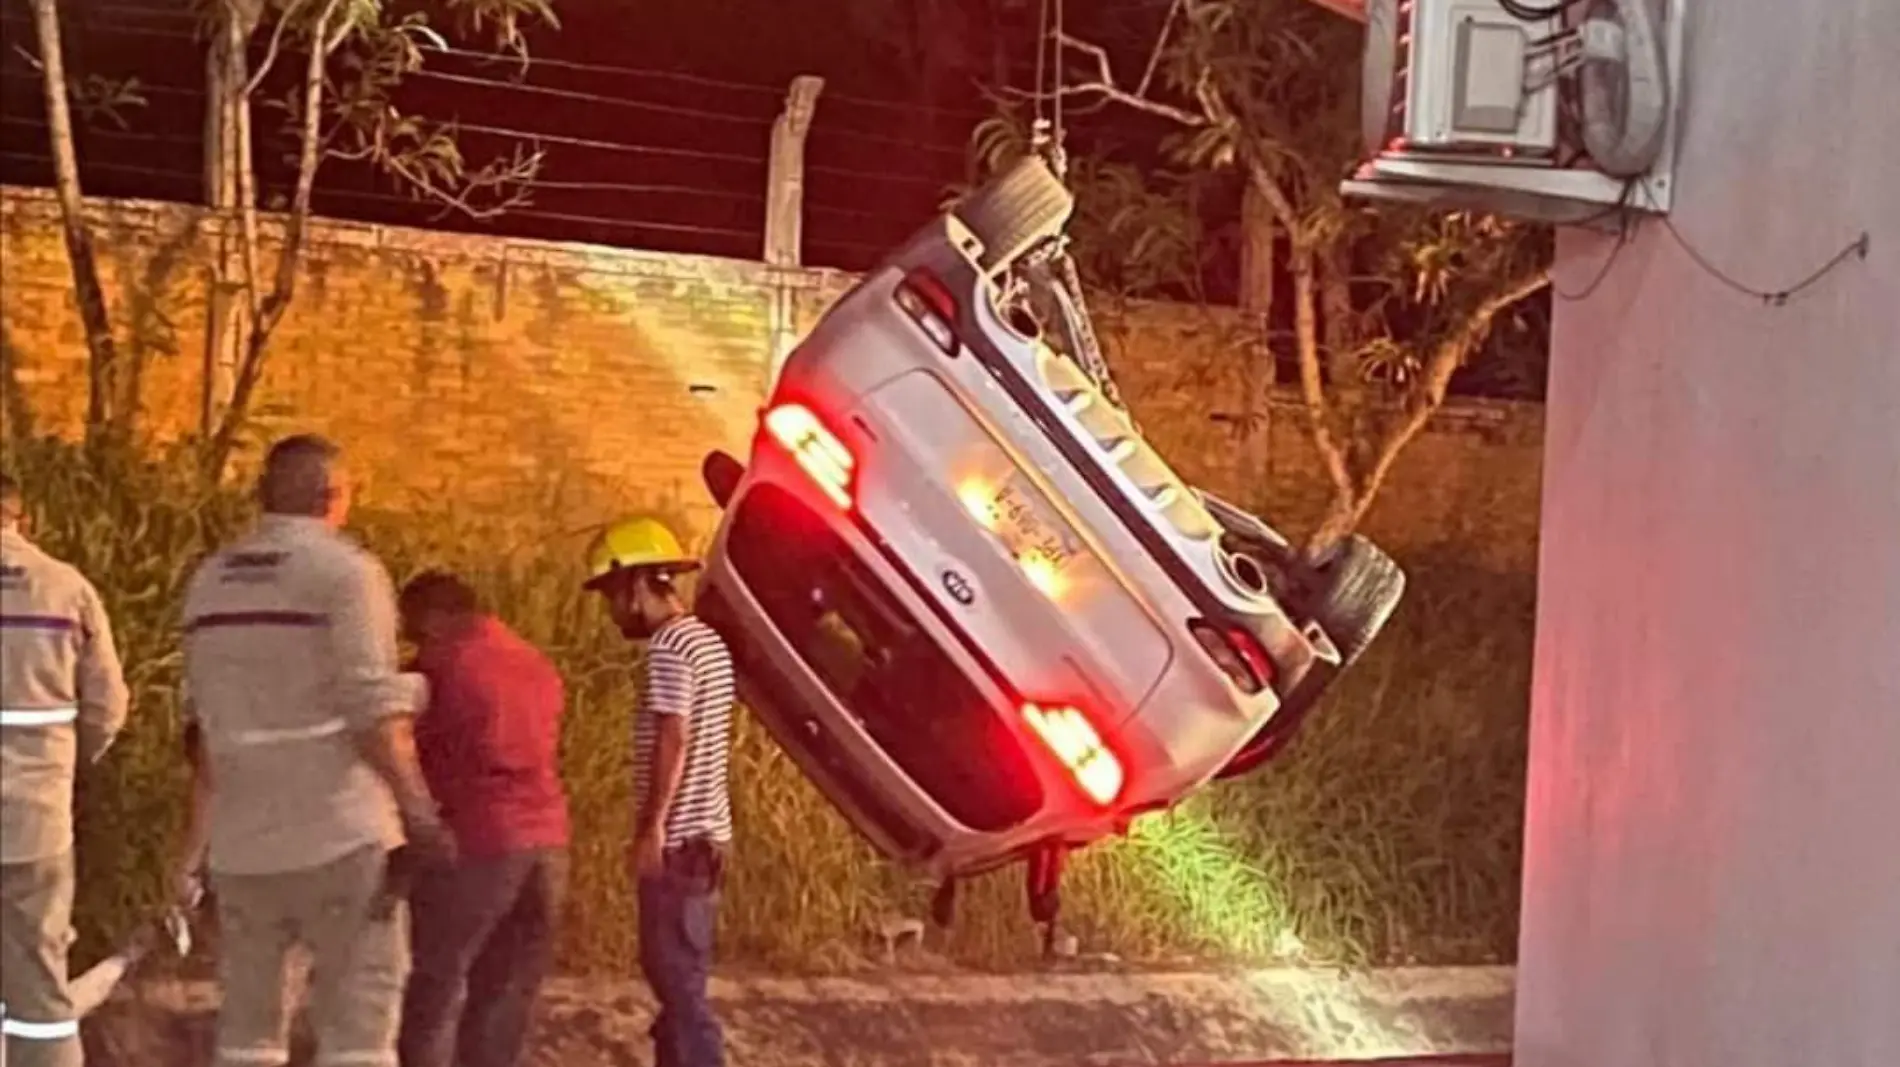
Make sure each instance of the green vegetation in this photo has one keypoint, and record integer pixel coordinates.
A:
(1390, 833)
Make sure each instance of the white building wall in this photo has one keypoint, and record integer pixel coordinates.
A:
(1713, 859)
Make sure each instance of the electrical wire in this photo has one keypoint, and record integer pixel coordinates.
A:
(1623, 233)
(508, 85)
(820, 130)
(597, 98)
(522, 212)
(777, 92)
(551, 184)
(1858, 248)
(1058, 132)
(1043, 41)
(933, 183)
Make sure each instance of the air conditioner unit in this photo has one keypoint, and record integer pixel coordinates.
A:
(1558, 111)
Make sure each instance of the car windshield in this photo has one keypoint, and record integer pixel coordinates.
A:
(880, 663)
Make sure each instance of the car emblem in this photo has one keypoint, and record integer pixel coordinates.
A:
(959, 588)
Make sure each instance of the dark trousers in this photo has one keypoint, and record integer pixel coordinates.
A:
(677, 913)
(484, 937)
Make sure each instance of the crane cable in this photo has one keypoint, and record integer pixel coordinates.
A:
(1047, 133)
(1047, 141)
(1047, 136)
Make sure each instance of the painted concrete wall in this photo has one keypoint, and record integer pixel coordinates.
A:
(1712, 877)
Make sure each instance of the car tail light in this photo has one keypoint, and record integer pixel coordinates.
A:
(929, 304)
(1073, 739)
(1237, 653)
(817, 450)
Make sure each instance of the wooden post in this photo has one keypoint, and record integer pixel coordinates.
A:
(785, 180)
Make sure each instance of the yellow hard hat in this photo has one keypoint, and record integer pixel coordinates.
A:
(637, 543)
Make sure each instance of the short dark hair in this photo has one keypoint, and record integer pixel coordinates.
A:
(439, 591)
(296, 473)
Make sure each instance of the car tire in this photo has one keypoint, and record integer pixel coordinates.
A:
(1016, 211)
(1358, 587)
(1353, 593)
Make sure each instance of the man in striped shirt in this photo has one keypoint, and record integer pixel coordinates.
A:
(682, 739)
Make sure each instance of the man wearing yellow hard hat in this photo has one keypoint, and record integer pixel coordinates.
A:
(682, 741)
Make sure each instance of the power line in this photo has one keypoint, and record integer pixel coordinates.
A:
(143, 85)
(612, 146)
(116, 135)
(673, 109)
(423, 204)
(591, 98)
(511, 85)
(776, 92)
(678, 77)
(393, 198)
(587, 143)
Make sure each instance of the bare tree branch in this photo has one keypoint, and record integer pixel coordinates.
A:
(284, 19)
(324, 40)
(1427, 395)
(1104, 86)
(1318, 408)
(1270, 101)
(1159, 49)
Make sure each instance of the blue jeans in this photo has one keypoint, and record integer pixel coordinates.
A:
(677, 912)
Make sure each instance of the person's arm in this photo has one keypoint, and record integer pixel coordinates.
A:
(197, 836)
(363, 632)
(189, 859)
(669, 699)
(103, 696)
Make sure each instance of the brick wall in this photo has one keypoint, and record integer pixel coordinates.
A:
(497, 373)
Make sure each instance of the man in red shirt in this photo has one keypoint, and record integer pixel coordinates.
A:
(488, 740)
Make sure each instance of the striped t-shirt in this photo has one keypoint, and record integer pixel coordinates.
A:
(689, 672)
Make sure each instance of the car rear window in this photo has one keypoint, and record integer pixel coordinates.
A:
(878, 662)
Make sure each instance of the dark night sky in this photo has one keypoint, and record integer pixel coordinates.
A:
(655, 116)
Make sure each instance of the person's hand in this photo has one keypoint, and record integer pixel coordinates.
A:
(186, 883)
(430, 840)
(647, 857)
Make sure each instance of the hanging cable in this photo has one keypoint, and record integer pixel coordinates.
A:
(1039, 126)
(1059, 157)
(1858, 248)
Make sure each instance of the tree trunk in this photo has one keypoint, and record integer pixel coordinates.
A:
(1319, 409)
(1425, 396)
(106, 419)
(263, 313)
(227, 113)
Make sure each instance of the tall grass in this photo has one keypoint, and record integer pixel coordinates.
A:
(1388, 833)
